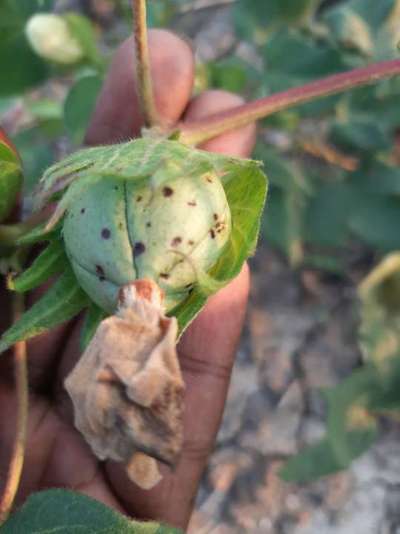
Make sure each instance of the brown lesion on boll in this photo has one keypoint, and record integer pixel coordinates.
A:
(167, 191)
(191, 242)
(212, 233)
(192, 203)
(176, 241)
(100, 273)
(139, 248)
(139, 198)
(164, 276)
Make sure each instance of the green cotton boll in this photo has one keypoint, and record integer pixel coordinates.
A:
(169, 227)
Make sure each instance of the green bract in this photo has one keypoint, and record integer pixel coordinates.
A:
(149, 208)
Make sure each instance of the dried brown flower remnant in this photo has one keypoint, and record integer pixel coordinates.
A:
(127, 389)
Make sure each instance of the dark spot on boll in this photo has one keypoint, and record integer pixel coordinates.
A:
(105, 233)
(215, 216)
(83, 210)
(100, 273)
(212, 233)
(167, 191)
(139, 248)
(139, 198)
(191, 242)
(192, 203)
(209, 180)
(164, 275)
(148, 224)
(176, 241)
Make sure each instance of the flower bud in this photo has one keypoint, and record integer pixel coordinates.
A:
(52, 39)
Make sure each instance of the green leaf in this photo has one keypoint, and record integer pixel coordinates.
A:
(351, 430)
(82, 29)
(50, 262)
(246, 190)
(376, 220)
(361, 134)
(302, 60)
(349, 29)
(378, 177)
(283, 224)
(328, 213)
(252, 16)
(373, 12)
(66, 512)
(385, 398)
(45, 109)
(79, 106)
(232, 74)
(188, 310)
(380, 311)
(93, 317)
(36, 153)
(61, 302)
(320, 460)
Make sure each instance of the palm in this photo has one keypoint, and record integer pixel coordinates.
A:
(56, 453)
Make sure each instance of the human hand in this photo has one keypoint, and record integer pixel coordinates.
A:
(57, 455)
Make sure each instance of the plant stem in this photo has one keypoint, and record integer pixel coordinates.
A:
(21, 380)
(195, 132)
(143, 71)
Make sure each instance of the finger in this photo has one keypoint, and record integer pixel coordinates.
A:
(206, 356)
(55, 456)
(238, 142)
(117, 115)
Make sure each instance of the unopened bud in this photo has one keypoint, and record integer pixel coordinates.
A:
(51, 38)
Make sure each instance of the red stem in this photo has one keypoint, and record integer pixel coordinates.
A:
(198, 131)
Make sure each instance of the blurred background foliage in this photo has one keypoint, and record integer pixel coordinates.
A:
(333, 165)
